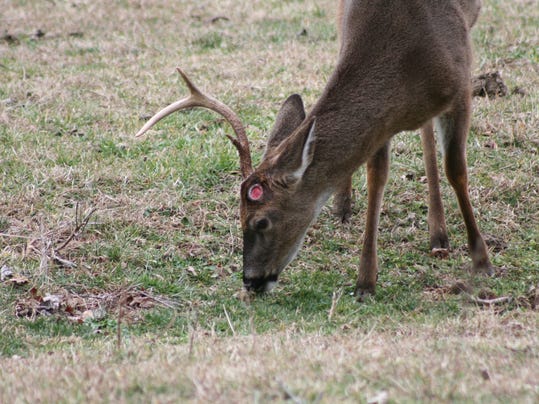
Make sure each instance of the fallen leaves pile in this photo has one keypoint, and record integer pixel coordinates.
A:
(80, 307)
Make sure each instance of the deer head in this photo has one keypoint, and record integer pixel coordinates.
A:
(276, 205)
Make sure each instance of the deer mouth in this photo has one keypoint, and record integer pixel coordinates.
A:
(261, 284)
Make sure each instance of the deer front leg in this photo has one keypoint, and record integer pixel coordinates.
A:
(377, 173)
(453, 127)
(342, 202)
(439, 242)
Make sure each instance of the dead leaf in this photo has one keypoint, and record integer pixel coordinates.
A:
(491, 144)
(9, 39)
(5, 273)
(99, 313)
(17, 280)
(88, 315)
(142, 302)
(51, 303)
(34, 292)
(489, 85)
(217, 18)
(381, 398)
(75, 319)
(460, 287)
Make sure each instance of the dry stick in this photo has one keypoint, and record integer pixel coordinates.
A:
(193, 335)
(253, 331)
(368, 335)
(336, 297)
(163, 302)
(289, 394)
(120, 316)
(8, 235)
(191, 342)
(78, 228)
(63, 261)
(229, 322)
(44, 258)
(488, 302)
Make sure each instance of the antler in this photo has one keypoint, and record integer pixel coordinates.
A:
(199, 99)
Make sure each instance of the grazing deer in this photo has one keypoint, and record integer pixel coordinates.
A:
(403, 65)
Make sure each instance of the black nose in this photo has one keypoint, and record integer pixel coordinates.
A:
(255, 284)
(258, 285)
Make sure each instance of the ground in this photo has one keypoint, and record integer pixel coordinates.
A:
(121, 257)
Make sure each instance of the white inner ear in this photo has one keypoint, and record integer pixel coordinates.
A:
(306, 155)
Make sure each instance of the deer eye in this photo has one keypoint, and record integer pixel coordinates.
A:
(262, 224)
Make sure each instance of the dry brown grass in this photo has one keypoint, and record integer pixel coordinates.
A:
(483, 358)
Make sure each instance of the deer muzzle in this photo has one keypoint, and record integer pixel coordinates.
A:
(259, 284)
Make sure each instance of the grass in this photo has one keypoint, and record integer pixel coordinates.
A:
(409, 363)
(148, 287)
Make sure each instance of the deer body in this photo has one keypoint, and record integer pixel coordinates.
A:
(402, 64)
(396, 70)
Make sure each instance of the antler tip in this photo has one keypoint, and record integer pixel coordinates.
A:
(192, 88)
(144, 129)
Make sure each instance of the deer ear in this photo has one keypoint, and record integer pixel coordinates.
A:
(295, 154)
(307, 152)
(289, 118)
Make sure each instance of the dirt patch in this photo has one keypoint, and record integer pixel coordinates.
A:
(489, 85)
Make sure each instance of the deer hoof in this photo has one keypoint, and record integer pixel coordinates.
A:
(362, 294)
(486, 270)
(342, 210)
(441, 253)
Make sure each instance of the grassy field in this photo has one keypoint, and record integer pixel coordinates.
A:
(121, 257)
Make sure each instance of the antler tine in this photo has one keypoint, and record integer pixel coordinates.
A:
(199, 99)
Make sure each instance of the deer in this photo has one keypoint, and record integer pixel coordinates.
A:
(402, 65)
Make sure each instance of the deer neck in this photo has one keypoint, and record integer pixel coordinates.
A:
(349, 129)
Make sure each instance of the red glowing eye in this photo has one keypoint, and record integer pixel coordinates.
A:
(256, 192)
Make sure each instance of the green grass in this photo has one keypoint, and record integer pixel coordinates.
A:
(164, 244)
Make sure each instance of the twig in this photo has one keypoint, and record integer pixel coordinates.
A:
(488, 302)
(7, 235)
(253, 331)
(163, 302)
(192, 336)
(44, 257)
(78, 228)
(120, 316)
(63, 261)
(229, 322)
(336, 297)
(213, 20)
(368, 335)
(289, 395)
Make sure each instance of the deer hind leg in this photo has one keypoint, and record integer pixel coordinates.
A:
(439, 242)
(342, 202)
(377, 173)
(452, 128)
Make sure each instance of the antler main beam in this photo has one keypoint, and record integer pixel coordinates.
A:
(198, 99)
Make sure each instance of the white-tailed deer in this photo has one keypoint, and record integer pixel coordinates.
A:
(403, 65)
